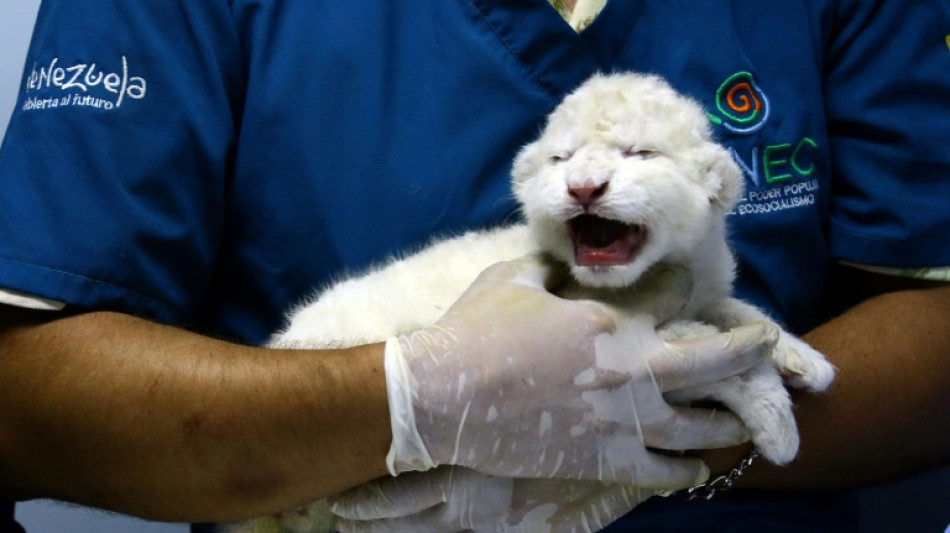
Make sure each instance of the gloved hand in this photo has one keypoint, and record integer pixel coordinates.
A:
(453, 499)
(516, 382)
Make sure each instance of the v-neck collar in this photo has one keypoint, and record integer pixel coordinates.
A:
(557, 57)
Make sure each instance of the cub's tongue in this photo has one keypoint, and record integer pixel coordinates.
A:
(602, 242)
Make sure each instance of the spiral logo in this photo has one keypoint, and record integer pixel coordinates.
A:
(742, 104)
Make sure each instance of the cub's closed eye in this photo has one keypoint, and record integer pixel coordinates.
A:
(560, 157)
(638, 153)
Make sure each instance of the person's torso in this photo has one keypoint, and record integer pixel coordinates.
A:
(370, 129)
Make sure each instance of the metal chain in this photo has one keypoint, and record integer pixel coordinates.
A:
(707, 490)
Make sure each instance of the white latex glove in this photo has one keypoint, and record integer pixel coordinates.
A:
(516, 382)
(454, 499)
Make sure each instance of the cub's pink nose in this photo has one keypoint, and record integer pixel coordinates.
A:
(587, 194)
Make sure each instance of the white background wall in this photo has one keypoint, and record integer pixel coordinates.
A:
(921, 505)
(16, 23)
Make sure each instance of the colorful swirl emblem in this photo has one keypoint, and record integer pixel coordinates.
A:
(742, 104)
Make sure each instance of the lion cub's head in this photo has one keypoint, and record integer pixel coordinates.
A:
(624, 175)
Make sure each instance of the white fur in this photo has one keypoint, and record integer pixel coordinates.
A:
(650, 150)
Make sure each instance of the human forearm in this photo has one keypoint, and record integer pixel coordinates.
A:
(111, 411)
(888, 413)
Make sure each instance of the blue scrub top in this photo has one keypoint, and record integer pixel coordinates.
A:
(208, 163)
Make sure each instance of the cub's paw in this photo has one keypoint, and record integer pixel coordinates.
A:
(802, 366)
(312, 518)
(759, 398)
(266, 524)
(766, 408)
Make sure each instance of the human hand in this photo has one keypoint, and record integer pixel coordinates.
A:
(452, 499)
(514, 381)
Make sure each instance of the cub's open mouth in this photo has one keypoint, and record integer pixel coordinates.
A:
(603, 242)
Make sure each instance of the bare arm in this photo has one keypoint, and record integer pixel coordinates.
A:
(111, 411)
(888, 413)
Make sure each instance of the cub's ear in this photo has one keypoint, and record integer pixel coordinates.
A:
(720, 174)
(526, 163)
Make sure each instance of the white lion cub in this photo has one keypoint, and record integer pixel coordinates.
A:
(624, 179)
